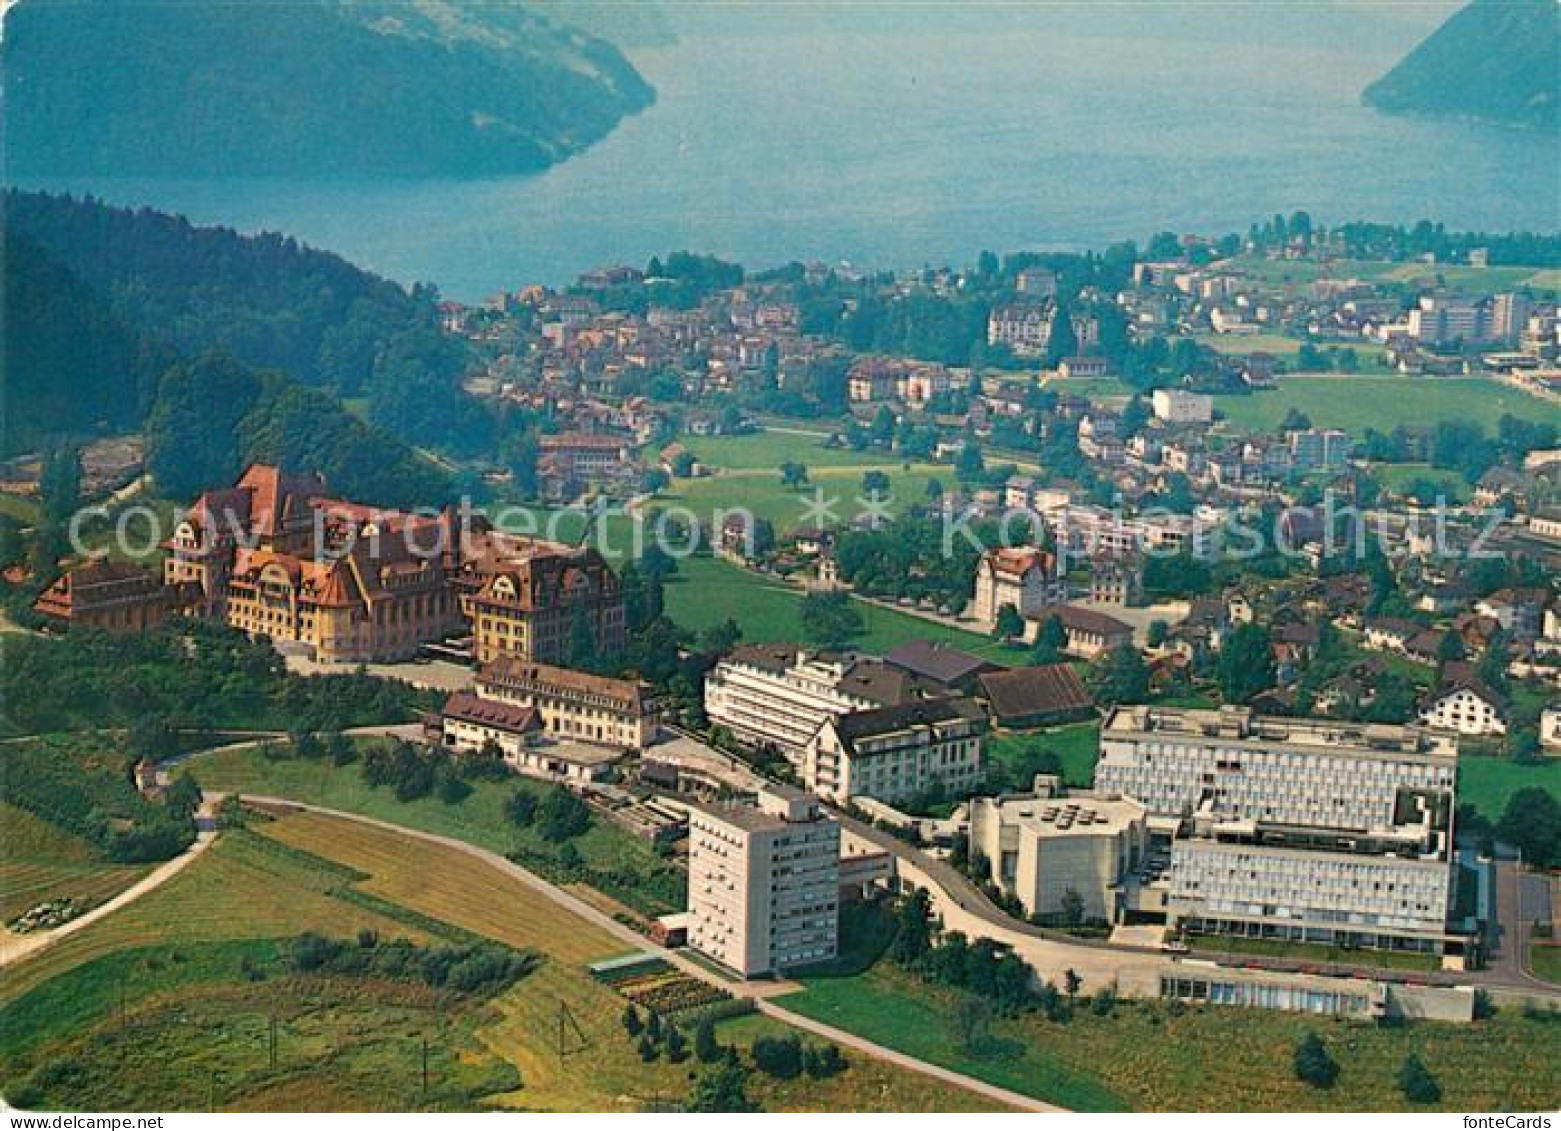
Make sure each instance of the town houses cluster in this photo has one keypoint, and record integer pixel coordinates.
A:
(1278, 738)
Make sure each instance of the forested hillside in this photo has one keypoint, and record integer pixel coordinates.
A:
(230, 348)
(304, 88)
(1494, 61)
(71, 362)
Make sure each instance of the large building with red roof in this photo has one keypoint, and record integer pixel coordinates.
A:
(274, 556)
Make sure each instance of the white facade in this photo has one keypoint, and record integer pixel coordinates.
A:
(1226, 885)
(1039, 847)
(1299, 828)
(1550, 727)
(894, 753)
(1024, 577)
(783, 708)
(1298, 772)
(764, 884)
(1464, 711)
(1177, 406)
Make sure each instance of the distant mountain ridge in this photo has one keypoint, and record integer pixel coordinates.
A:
(1493, 61)
(304, 88)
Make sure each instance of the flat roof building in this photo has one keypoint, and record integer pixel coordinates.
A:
(1044, 844)
(764, 882)
(1296, 828)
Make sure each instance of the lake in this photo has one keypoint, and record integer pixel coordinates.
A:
(898, 143)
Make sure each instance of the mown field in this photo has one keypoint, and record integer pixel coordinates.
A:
(1356, 402)
(1479, 280)
(198, 965)
(706, 591)
(1077, 747)
(610, 858)
(41, 862)
(1487, 782)
(1153, 1057)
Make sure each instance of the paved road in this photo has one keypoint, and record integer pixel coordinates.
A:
(761, 992)
(1521, 898)
(1043, 947)
(16, 948)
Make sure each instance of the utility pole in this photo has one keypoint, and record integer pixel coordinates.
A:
(425, 1067)
(273, 1040)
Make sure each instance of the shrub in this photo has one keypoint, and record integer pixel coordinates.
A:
(521, 808)
(562, 815)
(824, 1061)
(1417, 1083)
(706, 1047)
(677, 1045)
(780, 1057)
(1313, 1064)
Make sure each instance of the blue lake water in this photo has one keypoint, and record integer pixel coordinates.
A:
(896, 146)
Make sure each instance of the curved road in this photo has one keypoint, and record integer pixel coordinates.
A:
(962, 892)
(761, 992)
(15, 948)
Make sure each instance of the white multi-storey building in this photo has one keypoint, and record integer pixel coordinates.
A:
(1300, 828)
(764, 883)
(1039, 846)
(1025, 577)
(1302, 772)
(780, 694)
(894, 753)
(1177, 406)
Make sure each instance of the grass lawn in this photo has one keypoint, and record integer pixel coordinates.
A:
(1357, 402)
(706, 591)
(195, 1024)
(866, 1085)
(1398, 476)
(1545, 958)
(766, 451)
(43, 862)
(1479, 280)
(24, 510)
(1486, 782)
(760, 491)
(1280, 345)
(611, 858)
(1153, 1057)
(1076, 746)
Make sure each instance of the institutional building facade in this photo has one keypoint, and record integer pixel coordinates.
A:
(778, 695)
(275, 556)
(574, 705)
(764, 883)
(1297, 828)
(898, 752)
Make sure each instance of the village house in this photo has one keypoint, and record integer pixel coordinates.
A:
(1464, 704)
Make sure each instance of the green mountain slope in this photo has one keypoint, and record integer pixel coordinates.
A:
(118, 321)
(303, 87)
(1495, 61)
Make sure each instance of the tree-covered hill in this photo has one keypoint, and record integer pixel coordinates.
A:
(1494, 61)
(304, 87)
(226, 348)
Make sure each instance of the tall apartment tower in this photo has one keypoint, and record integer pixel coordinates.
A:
(764, 883)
